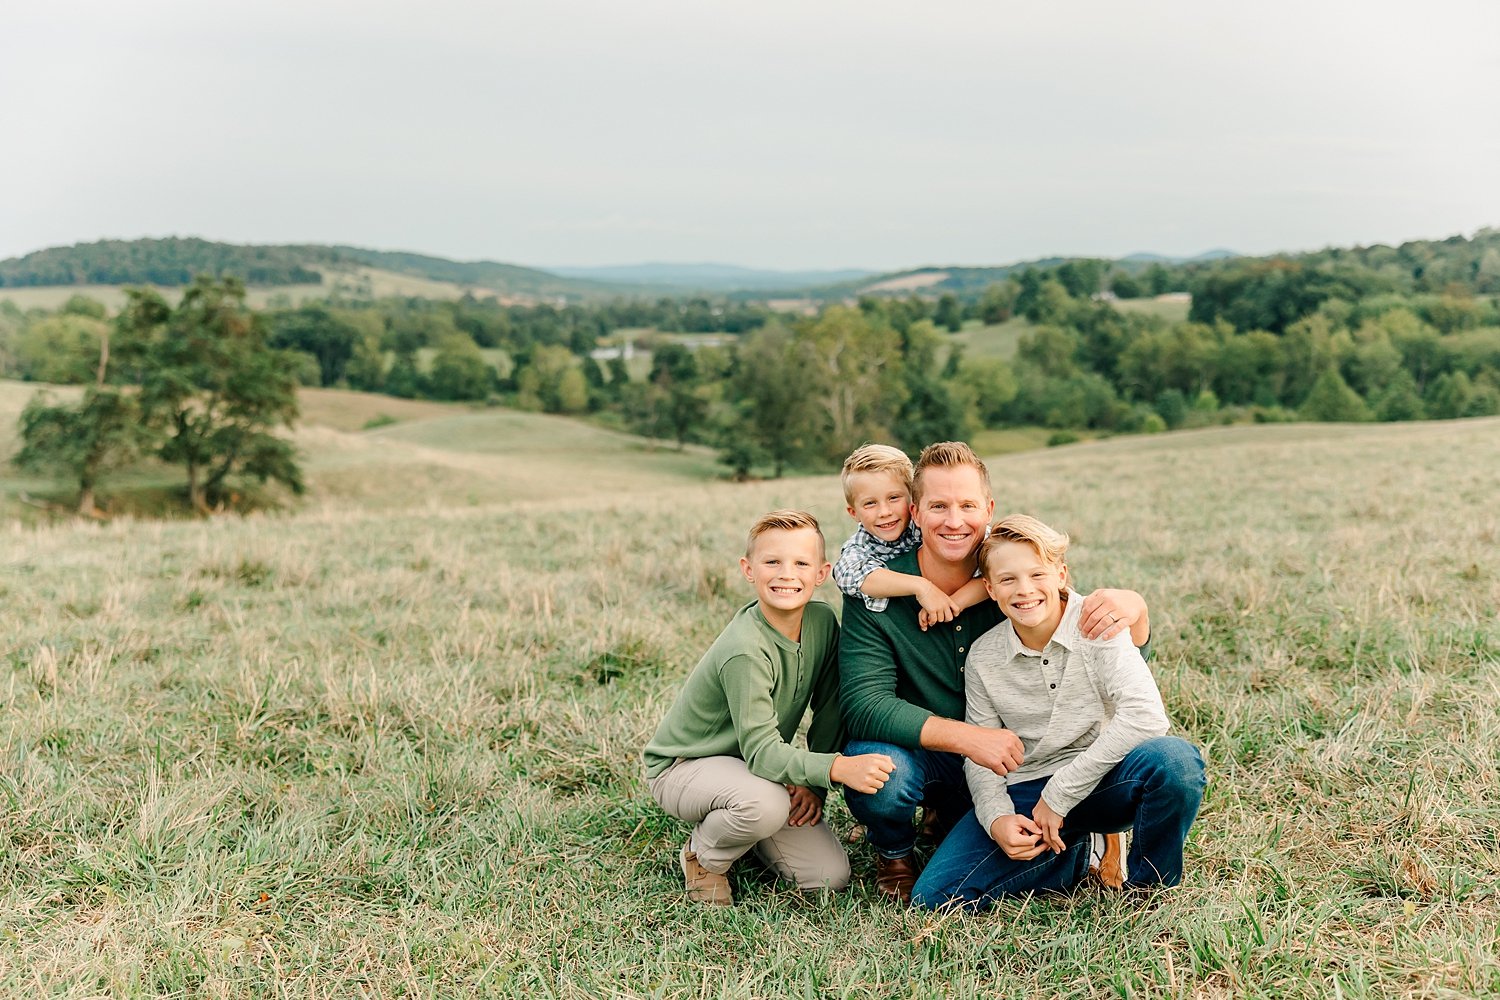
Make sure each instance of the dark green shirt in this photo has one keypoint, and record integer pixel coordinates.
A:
(746, 698)
(895, 676)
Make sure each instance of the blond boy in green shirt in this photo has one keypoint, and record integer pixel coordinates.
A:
(722, 758)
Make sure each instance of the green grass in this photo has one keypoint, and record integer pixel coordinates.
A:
(995, 340)
(387, 745)
(1170, 308)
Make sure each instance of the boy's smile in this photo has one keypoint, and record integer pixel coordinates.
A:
(880, 502)
(1028, 589)
(785, 566)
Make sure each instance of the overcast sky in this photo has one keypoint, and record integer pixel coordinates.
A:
(772, 134)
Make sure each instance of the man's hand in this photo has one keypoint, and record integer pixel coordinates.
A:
(999, 750)
(1107, 613)
(806, 809)
(865, 772)
(936, 605)
(1050, 824)
(1018, 837)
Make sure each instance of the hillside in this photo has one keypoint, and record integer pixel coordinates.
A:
(175, 261)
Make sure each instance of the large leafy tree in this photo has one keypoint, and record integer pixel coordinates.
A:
(83, 441)
(858, 375)
(210, 380)
(773, 392)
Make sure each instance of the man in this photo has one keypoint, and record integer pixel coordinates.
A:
(903, 687)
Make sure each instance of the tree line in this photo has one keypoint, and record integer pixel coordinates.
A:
(1335, 337)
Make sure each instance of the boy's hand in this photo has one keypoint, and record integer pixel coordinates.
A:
(1000, 750)
(936, 605)
(1050, 823)
(865, 772)
(1018, 837)
(806, 809)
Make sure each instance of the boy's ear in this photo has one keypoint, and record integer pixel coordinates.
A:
(745, 569)
(1062, 574)
(987, 588)
(823, 573)
(850, 509)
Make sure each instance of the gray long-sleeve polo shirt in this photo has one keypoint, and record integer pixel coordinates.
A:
(1078, 706)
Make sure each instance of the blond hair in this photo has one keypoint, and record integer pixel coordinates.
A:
(875, 458)
(784, 520)
(1050, 544)
(948, 455)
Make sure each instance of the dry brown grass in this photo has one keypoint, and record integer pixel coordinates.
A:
(389, 752)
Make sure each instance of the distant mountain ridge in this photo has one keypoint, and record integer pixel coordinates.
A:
(173, 261)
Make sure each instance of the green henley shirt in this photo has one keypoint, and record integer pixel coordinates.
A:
(746, 698)
(895, 676)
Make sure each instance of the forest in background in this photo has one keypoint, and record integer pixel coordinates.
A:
(1373, 333)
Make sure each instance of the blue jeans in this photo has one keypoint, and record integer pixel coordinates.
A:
(1155, 791)
(922, 777)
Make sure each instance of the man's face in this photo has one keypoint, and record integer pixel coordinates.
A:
(784, 566)
(953, 512)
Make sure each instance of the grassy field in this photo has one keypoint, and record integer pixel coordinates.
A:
(994, 340)
(1172, 308)
(380, 452)
(388, 745)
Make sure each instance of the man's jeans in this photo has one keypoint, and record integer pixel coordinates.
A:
(922, 777)
(1155, 790)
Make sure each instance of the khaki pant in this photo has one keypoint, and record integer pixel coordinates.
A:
(734, 811)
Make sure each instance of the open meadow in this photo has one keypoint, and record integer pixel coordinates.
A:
(387, 743)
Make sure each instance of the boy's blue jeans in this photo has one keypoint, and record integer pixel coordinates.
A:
(1155, 790)
(922, 777)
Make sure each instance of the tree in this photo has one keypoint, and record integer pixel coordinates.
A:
(773, 394)
(949, 314)
(321, 333)
(932, 410)
(1332, 400)
(210, 379)
(84, 441)
(63, 349)
(459, 370)
(858, 368)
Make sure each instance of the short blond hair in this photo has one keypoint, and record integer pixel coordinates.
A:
(875, 458)
(785, 520)
(947, 455)
(1050, 544)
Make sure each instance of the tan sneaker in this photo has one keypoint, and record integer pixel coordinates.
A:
(703, 886)
(1107, 863)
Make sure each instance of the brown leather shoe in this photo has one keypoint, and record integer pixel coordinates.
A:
(1110, 869)
(703, 886)
(895, 877)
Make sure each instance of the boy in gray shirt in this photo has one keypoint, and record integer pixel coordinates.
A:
(1091, 723)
